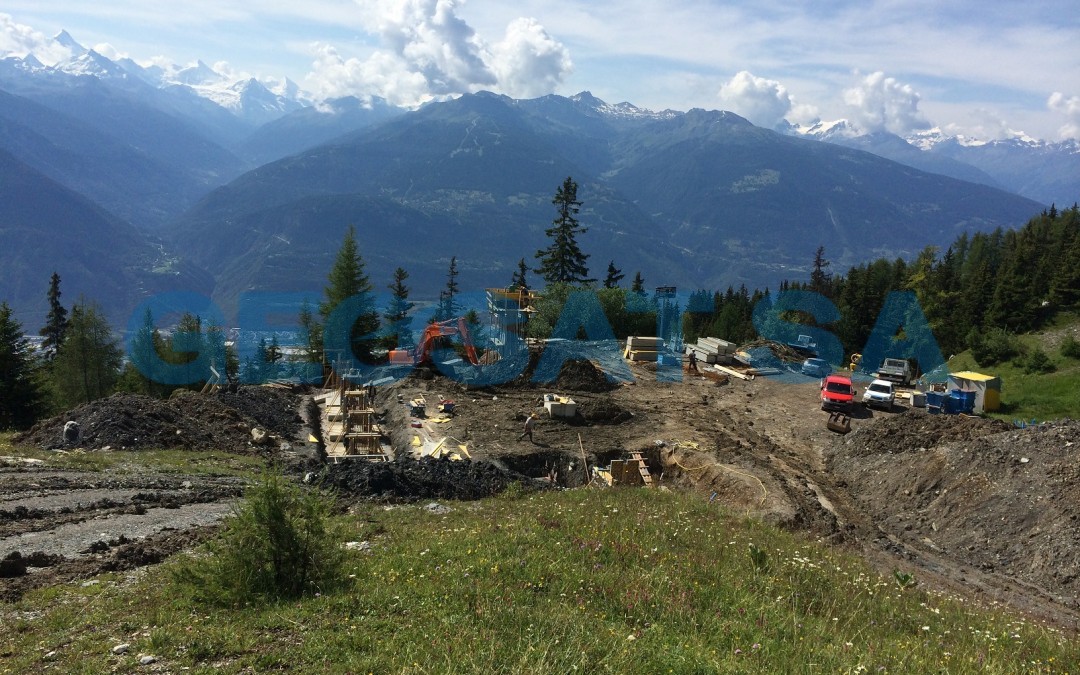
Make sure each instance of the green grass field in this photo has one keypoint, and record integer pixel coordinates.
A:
(1026, 396)
(619, 581)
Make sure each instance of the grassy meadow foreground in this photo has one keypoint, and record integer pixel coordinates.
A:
(587, 580)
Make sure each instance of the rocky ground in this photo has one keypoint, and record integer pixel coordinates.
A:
(967, 505)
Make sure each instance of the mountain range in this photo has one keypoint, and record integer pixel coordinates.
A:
(178, 178)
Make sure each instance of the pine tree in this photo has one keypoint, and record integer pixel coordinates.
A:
(518, 282)
(349, 283)
(87, 365)
(21, 398)
(563, 261)
(1066, 282)
(397, 311)
(614, 276)
(819, 278)
(138, 376)
(56, 322)
(638, 285)
(310, 333)
(448, 309)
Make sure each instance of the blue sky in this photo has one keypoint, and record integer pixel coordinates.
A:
(986, 70)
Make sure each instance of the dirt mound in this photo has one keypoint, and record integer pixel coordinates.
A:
(992, 498)
(582, 375)
(407, 479)
(187, 420)
(916, 431)
(604, 411)
(272, 409)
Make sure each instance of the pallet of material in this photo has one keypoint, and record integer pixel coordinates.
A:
(641, 355)
(643, 342)
(716, 345)
(702, 355)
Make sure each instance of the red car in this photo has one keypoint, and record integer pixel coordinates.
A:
(837, 393)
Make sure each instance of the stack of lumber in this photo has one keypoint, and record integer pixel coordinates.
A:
(639, 348)
(712, 350)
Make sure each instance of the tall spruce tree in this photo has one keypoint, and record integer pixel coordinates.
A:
(638, 284)
(56, 322)
(820, 280)
(397, 312)
(563, 261)
(21, 398)
(614, 276)
(348, 282)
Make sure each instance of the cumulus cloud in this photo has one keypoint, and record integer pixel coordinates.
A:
(884, 104)
(383, 74)
(430, 52)
(19, 40)
(528, 62)
(1070, 107)
(763, 102)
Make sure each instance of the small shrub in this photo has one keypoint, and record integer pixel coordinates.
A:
(759, 559)
(993, 346)
(1037, 362)
(1070, 348)
(904, 579)
(280, 544)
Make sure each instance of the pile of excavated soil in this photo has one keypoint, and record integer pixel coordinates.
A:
(988, 496)
(917, 431)
(187, 420)
(273, 409)
(582, 375)
(406, 479)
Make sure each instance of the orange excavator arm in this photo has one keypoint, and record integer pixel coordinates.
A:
(433, 331)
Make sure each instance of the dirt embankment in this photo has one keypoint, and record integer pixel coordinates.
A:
(977, 493)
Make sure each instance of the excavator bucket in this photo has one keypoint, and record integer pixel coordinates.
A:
(839, 422)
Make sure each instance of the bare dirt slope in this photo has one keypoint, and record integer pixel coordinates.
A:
(968, 506)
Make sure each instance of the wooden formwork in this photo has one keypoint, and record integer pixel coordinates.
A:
(349, 428)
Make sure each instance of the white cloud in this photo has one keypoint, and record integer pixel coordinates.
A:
(763, 102)
(19, 40)
(1070, 107)
(529, 62)
(884, 104)
(382, 74)
(430, 52)
(982, 124)
(109, 52)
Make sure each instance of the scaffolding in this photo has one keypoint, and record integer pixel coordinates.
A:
(510, 309)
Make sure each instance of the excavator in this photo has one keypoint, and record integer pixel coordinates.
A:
(432, 333)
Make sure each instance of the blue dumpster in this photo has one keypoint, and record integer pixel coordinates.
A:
(934, 401)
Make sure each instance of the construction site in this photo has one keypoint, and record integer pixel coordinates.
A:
(972, 505)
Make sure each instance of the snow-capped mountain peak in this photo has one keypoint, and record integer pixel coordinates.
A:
(90, 63)
(825, 130)
(624, 109)
(64, 39)
(197, 75)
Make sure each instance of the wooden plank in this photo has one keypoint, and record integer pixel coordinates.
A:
(732, 372)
